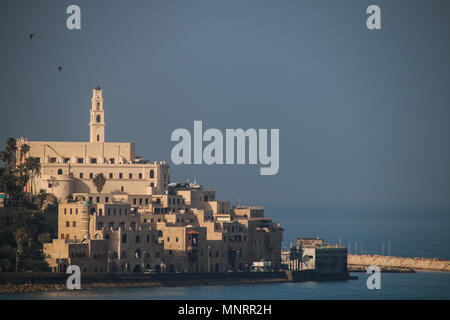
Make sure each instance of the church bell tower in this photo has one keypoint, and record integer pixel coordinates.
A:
(97, 123)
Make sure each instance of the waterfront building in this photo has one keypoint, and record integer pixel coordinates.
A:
(141, 221)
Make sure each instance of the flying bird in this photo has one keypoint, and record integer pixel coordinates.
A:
(31, 35)
(59, 68)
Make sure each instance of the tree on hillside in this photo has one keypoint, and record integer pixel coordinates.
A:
(99, 181)
(33, 165)
(8, 156)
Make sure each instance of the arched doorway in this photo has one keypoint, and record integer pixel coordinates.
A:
(137, 269)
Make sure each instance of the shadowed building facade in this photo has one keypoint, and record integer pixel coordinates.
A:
(141, 221)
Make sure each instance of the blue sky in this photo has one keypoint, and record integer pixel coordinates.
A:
(363, 115)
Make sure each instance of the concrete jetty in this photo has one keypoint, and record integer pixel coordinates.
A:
(417, 264)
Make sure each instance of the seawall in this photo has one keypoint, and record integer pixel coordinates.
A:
(429, 264)
(26, 282)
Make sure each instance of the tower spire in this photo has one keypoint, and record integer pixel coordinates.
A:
(97, 123)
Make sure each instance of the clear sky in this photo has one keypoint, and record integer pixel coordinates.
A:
(363, 115)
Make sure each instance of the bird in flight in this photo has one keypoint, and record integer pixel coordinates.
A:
(31, 35)
(59, 68)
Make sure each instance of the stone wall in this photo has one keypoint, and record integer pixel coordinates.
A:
(430, 264)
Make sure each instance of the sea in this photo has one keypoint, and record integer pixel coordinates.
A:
(407, 233)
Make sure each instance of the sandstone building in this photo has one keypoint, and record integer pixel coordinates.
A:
(141, 221)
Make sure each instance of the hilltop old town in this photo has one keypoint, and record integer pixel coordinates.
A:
(120, 213)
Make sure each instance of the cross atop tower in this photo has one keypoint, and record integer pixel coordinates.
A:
(97, 124)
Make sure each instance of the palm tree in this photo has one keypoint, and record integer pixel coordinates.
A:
(34, 166)
(8, 157)
(24, 149)
(99, 182)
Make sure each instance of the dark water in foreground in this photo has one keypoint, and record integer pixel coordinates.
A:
(422, 285)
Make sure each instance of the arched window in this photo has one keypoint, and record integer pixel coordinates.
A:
(60, 171)
(98, 118)
(137, 253)
(98, 105)
(152, 174)
(124, 238)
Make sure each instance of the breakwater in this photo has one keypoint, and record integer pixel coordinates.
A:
(397, 263)
(29, 281)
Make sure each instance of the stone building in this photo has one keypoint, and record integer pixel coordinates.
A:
(140, 221)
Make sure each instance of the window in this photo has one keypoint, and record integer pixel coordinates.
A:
(98, 137)
(134, 201)
(140, 175)
(66, 160)
(97, 199)
(91, 175)
(152, 174)
(52, 160)
(111, 160)
(120, 176)
(168, 239)
(74, 224)
(98, 118)
(93, 160)
(138, 239)
(65, 211)
(106, 199)
(100, 212)
(67, 224)
(146, 201)
(110, 175)
(121, 188)
(140, 201)
(80, 160)
(124, 238)
(176, 239)
(130, 175)
(60, 171)
(81, 175)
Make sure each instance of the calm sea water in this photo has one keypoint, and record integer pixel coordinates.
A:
(410, 233)
(422, 285)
